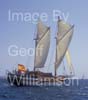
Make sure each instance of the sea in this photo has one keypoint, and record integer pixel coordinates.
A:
(76, 91)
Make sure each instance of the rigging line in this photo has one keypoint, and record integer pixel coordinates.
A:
(72, 68)
(64, 68)
(50, 62)
(62, 56)
(66, 33)
(44, 34)
(73, 71)
(41, 37)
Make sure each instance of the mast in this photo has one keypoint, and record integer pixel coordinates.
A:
(35, 52)
(36, 39)
(56, 58)
(56, 48)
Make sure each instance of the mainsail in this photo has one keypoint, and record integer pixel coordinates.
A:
(42, 45)
(63, 38)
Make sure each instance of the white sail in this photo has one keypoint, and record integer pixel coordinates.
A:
(64, 35)
(42, 45)
(68, 58)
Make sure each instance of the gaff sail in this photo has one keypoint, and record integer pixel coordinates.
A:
(63, 39)
(42, 44)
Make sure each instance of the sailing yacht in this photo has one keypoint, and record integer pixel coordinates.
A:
(24, 77)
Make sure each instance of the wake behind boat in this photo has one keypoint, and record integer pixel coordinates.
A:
(23, 77)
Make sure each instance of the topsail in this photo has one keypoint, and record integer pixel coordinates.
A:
(63, 38)
(42, 45)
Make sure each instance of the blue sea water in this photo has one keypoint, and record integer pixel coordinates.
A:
(75, 92)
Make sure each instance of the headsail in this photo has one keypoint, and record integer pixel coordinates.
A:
(42, 45)
(63, 38)
(68, 58)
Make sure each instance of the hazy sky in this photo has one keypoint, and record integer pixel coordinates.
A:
(21, 33)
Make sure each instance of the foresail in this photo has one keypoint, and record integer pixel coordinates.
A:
(64, 36)
(42, 45)
(68, 59)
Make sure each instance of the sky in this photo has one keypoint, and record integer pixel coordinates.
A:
(20, 33)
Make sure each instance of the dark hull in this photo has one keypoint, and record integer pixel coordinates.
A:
(33, 79)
